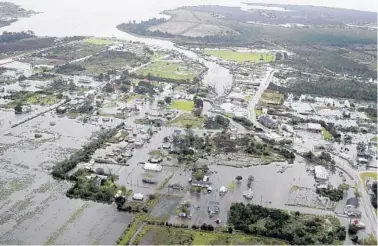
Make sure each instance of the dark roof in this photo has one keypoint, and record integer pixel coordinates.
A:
(352, 201)
(267, 120)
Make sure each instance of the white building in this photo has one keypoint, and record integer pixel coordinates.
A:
(314, 127)
(153, 167)
(138, 196)
(222, 190)
(321, 174)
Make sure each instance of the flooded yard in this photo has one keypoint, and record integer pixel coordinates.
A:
(33, 206)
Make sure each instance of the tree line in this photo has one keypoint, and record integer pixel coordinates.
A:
(84, 154)
(8, 37)
(296, 229)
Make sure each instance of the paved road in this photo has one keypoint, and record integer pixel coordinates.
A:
(255, 100)
(370, 212)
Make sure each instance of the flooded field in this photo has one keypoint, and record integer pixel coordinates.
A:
(34, 208)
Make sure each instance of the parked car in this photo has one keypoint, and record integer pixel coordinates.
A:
(176, 186)
(149, 181)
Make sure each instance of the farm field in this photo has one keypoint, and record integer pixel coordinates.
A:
(231, 55)
(368, 176)
(168, 70)
(97, 41)
(156, 235)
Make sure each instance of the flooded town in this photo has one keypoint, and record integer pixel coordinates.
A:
(128, 138)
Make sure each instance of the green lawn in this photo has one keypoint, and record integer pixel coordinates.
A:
(159, 235)
(98, 41)
(231, 55)
(272, 97)
(326, 134)
(168, 70)
(188, 119)
(182, 105)
(368, 175)
(258, 112)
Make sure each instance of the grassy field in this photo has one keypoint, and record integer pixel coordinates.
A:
(102, 62)
(326, 134)
(272, 97)
(98, 41)
(168, 70)
(182, 105)
(158, 235)
(258, 112)
(368, 175)
(231, 55)
(39, 99)
(188, 119)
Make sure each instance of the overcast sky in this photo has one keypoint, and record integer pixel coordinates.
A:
(368, 5)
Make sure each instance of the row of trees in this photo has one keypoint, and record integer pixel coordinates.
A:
(333, 194)
(330, 87)
(298, 230)
(69, 68)
(96, 189)
(84, 154)
(15, 36)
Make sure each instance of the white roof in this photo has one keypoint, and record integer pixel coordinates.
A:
(314, 126)
(153, 167)
(248, 193)
(222, 189)
(321, 172)
(138, 196)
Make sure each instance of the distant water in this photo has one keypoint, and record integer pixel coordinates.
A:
(94, 17)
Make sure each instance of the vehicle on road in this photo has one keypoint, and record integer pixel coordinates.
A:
(176, 186)
(149, 181)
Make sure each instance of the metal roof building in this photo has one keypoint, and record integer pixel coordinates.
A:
(314, 127)
(268, 122)
(153, 167)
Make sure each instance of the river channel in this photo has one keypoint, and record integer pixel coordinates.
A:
(100, 18)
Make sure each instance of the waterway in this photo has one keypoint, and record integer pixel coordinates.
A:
(99, 18)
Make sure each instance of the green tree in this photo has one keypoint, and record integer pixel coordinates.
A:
(18, 108)
(168, 100)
